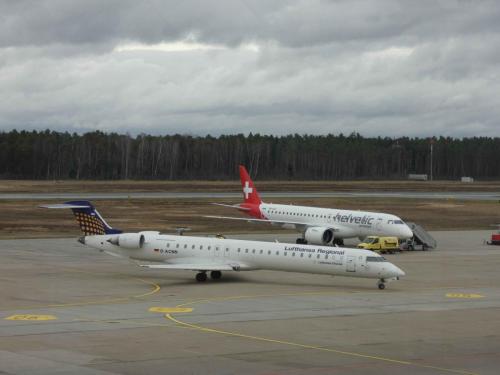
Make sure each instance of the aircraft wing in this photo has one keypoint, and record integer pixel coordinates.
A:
(200, 266)
(298, 225)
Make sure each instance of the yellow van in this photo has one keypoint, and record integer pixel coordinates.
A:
(380, 244)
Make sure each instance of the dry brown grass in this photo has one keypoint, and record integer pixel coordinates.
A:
(25, 219)
(72, 186)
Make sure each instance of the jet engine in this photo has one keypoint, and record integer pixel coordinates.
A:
(129, 240)
(318, 235)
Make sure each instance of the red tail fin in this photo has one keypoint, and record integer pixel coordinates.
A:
(250, 194)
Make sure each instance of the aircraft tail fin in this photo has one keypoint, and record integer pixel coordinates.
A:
(250, 194)
(90, 221)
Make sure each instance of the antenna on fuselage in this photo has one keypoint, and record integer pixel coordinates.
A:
(180, 230)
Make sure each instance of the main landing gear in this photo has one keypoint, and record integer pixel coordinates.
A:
(202, 276)
(338, 241)
(381, 284)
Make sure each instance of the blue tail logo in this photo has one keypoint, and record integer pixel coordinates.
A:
(90, 221)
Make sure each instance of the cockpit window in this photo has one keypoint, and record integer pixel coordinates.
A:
(395, 222)
(375, 259)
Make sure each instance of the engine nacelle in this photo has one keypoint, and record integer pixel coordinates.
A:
(130, 240)
(318, 235)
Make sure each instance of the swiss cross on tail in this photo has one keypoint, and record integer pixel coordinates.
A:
(247, 189)
(250, 193)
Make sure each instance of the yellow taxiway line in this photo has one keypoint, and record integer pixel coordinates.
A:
(197, 327)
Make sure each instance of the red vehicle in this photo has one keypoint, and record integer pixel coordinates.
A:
(495, 238)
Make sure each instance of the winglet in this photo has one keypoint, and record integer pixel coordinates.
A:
(250, 194)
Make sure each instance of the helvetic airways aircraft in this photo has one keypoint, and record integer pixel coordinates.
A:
(319, 226)
(214, 255)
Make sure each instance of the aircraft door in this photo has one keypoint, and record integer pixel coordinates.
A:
(351, 264)
(378, 225)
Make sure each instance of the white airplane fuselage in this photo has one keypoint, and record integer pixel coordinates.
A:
(345, 223)
(242, 255)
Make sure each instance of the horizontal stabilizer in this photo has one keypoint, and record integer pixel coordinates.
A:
(63, 205)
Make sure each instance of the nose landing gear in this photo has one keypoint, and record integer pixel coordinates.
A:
(381, 284)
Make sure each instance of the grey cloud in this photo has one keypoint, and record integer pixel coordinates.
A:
(291, 23)
(380, 68)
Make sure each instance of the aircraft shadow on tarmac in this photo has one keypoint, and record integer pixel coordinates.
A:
(172, 280)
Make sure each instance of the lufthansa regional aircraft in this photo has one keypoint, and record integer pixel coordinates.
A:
(214, 255)
(319, 226)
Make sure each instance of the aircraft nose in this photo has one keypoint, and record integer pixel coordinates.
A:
(406, 232)
(398, 271)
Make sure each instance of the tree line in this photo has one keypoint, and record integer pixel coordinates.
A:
(97, 155)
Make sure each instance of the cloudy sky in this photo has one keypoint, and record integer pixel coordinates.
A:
(389, 68)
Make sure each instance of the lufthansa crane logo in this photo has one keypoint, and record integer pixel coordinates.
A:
(247, 190)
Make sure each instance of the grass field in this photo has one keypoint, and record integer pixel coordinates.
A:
(25, 219)
(28, 186)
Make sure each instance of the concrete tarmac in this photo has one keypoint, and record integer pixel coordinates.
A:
(65, 308)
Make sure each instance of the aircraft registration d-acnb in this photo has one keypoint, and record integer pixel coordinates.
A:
(319, 226)
(214, 255)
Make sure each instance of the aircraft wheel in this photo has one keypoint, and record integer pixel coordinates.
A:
(215, 275)
(201, 277)
(381, 286)
(338, 241)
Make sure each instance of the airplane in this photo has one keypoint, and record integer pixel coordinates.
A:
(319, 226)
(214, 255)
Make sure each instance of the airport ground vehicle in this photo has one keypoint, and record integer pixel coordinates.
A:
(380, 244)
(412, 244)
(421, 240)
(495, 238)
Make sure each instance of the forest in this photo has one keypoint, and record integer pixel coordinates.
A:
(98, 155)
